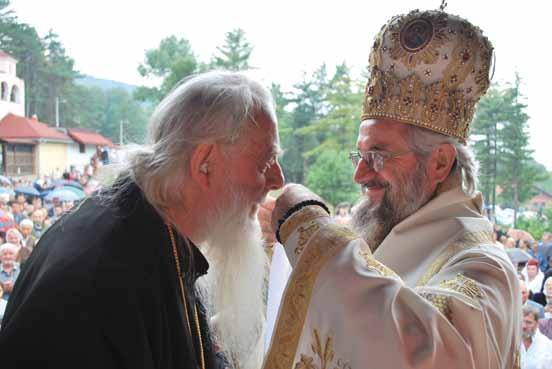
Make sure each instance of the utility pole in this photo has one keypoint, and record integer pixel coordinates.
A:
(57, 112)
(121, 132)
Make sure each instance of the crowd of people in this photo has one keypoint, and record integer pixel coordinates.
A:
(534, 268)
(24, 217)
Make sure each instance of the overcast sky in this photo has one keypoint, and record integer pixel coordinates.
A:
(107, 38)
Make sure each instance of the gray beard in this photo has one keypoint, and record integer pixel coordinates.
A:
(373, 222)
(528, 335)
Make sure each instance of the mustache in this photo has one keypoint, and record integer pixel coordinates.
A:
(375, 183)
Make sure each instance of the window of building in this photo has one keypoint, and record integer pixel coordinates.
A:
(14, 96)
(5, 88)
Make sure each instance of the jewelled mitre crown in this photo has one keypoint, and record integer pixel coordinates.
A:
(428, 69)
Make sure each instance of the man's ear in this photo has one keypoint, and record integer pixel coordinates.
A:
(441, 162)
(201, 159)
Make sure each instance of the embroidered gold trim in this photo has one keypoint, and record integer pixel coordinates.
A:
(324, 353)
(461, 284)
(305, 214)
(517, 360)
(469, 240)
(373, 264)
(464, 285)
(440, 302)
(305, 233)
(327, 242)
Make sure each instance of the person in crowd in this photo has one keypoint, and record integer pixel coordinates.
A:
(524, 245)
(17, 211)
(67, 206)
(526, 300)
(57, 212)
(14, 237)
(536, 348)
(509, 243)
(37, 203)
(418, 281)
(113, 283)
(4, 202)
(20, 198)
(342, 213)
(533, 276)
(38, 223)
(27, 226)
(9, 268)
(545, 251)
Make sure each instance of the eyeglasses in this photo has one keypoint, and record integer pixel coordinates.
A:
(374, 159)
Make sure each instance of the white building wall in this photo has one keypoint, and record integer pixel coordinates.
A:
(78, 159)
(8, 83)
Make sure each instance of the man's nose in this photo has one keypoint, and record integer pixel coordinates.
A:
(275, 179)
(364, 172)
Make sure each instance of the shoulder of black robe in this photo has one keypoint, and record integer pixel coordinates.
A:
(101, 291)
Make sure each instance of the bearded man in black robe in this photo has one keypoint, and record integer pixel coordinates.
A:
(120, 283)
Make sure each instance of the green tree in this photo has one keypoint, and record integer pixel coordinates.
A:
(331, 177)
(337, 129)
(517, 172)
(234, 54)
(536, 226)
(121, 107)
(56, 78)
(170, 62)
(309, 105)
(485, 141)
(83, 107)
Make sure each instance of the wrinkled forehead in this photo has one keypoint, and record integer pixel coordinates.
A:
(380, 133)
(260, 136)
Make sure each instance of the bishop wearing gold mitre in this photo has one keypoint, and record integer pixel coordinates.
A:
(416, 281)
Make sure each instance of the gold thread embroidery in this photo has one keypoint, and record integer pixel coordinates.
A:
(464, 285)
(324, 353)
(461, 284)
(305, 214)
(327, 242)
(440, 302)
(305, 233)
(517, 360)
(467, 241)
(373, 264)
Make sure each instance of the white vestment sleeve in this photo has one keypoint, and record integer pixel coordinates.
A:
(280, 269)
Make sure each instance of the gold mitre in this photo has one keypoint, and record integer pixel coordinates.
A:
(428, 69)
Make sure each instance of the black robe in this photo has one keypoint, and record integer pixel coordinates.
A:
(101, 291)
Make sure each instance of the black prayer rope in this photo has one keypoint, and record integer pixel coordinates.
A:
(296, 208)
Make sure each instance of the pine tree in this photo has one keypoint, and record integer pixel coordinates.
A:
(485, 142)
(517, 174)
(234, 54)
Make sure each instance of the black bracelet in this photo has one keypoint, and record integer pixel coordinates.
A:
(296, 208)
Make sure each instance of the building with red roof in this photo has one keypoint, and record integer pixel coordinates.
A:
(85, 145)
(30, 147)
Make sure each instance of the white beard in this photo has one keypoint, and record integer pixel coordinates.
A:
(234, 287)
